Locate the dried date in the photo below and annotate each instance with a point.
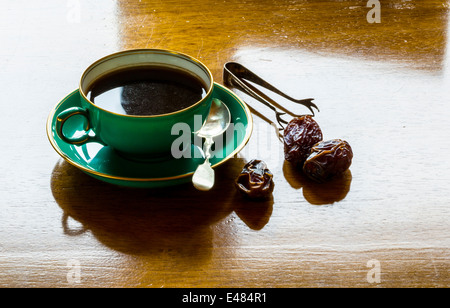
(327, 159)
(255, 180)
(299, 136)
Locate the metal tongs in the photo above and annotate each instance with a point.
(236, 75)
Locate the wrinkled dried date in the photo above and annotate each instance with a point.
(299, 136)
(255, 180)
(327, 159)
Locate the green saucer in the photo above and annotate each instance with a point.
(105, 164)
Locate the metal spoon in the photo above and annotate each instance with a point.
(218, 120)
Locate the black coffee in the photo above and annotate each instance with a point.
(146, 91)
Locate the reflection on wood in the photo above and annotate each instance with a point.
(411, 32)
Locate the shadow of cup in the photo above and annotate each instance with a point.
(138, 221)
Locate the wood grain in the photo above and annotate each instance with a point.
(382, 87)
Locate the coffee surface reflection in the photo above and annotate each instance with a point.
(146, 91)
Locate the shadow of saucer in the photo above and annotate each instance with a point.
(332, 191)
(136, 221)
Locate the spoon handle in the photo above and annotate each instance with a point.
(203, 178)
(207, 148)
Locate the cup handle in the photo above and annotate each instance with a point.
(64, 116)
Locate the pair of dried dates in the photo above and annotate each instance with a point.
(304, 147)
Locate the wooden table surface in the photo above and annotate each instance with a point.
(383, 87)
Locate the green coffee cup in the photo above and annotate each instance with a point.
(136, 136)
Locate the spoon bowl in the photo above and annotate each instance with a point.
(218, 120)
